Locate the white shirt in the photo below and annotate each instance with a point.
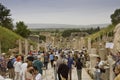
(101, 63)
(23, 69)
(17, 66)
(38, 77)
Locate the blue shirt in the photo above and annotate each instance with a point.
(51, 57)
(70, 62)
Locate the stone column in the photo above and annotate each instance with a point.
(102, 54)
(74, 43)
(77, 43)
(31, 47)
(111, 62)
(53, 42)
(89, 45)
(20, 46)
(26, 47)
(38, 46)
(93, 57)
(82, 43)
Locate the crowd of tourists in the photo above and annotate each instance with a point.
(116, 66)
(100, 69)
(31, 67)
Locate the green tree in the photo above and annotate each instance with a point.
(22, 30)
(66, 33)
(42, 37)
(115, 17)
(5, 19)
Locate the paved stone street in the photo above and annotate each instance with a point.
(50, 74)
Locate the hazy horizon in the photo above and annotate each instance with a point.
(72, 12)
(58, 26)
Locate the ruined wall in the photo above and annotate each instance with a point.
(116, 39)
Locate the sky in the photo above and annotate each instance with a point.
(75, 12)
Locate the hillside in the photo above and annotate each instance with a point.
(105, 31)
(8, 39)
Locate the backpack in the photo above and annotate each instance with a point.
(116, 64)
(10, 64)
(63, 70)
(102, 70)
(79, 64)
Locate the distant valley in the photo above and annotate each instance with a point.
(63, 26)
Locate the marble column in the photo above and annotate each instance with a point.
(20, 46)
(38, 46)
(89, 45)
(26, 47)
(31, 47)
(82, 43)
(53, 42)
(111, 63)
(93, 57)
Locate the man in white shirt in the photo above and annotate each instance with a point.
(23, 69)
(98, 67)
(17, 68)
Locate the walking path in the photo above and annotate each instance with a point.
(85, 75)
(49, 74)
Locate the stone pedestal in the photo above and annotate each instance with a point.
(26, 47)
(102, 54)
(111, 63)
(89, 45)
(82, 42)
(93, 51)
(93, 60)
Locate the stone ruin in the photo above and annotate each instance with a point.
(116, 39)
(108, 75)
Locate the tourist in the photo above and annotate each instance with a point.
(10, 67)
(63, 71)
(37, 63)
(42, 58)
(37, 75)
(3, 64)
(115, 57)
(55, 67)
(58, 62)
(46, 60)
(117, 72)
(117, 60)
(70, 63)
(51, 57)
(79, 65)
(29, 73)
(23, 69)
(17, 67)
(98, 67)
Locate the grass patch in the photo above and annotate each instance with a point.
(102, 32)
(9, 39)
